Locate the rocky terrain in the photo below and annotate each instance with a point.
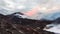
(11, 24)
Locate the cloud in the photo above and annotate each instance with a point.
(46, 7)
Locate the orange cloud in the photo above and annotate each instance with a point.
(32, 12)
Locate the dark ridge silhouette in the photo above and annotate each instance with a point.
(57, 20)
(10, 24)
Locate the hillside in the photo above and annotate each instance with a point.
(11, 24)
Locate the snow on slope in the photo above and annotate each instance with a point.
(48, 9)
